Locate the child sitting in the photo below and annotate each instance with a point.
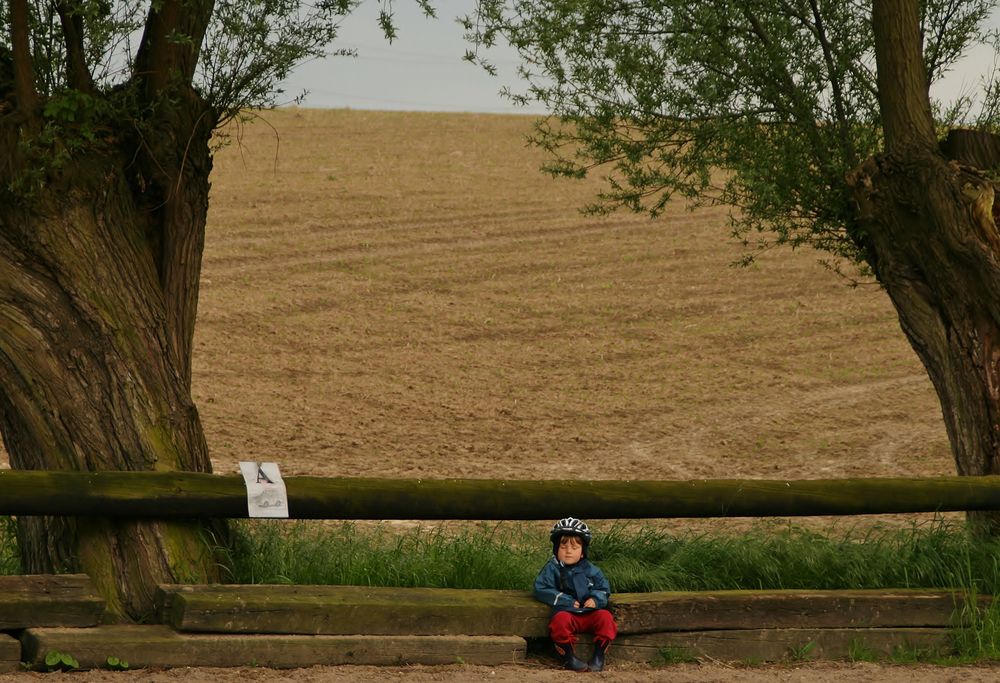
(578, 593)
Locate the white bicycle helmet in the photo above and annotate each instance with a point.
(570, 526)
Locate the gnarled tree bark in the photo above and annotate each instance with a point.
(91, 377)
(936, 250)
(100, 260)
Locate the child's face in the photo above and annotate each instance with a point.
(570, 550)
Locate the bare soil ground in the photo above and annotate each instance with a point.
(405, 295)
(680, 673)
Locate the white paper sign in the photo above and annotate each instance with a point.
(266, 495)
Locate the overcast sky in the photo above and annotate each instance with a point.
(422, 70)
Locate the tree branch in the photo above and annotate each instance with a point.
(836, 85)
(171, 43)
(902, 79)
(24, 72)
(800, 109)
(934, 45)
(177, 160)
(77, 72)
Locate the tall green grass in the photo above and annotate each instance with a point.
(635, 559)
(303, 553)
(769, 556)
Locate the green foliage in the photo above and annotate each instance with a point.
(111, 28)
(253, 45)
(859, 651)
(73, 107)
(116, 664)
(758, 105)
(667, 656)
(73, 124)
(802, 652)
(249, 47)
(60, 661)
(979, 638)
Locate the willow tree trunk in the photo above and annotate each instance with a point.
(932, 225)
(100, 257)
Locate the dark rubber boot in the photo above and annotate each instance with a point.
(600, 651)
(568, 657)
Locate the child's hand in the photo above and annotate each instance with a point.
(576, 604)
(591, 603)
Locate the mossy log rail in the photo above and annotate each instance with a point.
(186, 494)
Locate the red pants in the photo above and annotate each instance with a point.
(564, 626)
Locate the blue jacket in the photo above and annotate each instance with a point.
(559, 585)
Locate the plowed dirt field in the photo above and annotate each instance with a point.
(406, 295)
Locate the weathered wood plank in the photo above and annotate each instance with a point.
(696, 611)
(161, 647)
(48, 600)
(774, 645)
(348, 610)
(10, 653)
(345, 610)
(187, 494)
(680, 611)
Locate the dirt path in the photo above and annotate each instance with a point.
(680, 673)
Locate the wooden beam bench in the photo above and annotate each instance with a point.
(775, 645)
(162, 647)
(10, 653)
(781, 609)
(345, 610)
(43, 600)
(297, 626)
(48, 600)
(725, 625)
(349, 610)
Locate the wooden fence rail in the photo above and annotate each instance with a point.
(165, 495)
